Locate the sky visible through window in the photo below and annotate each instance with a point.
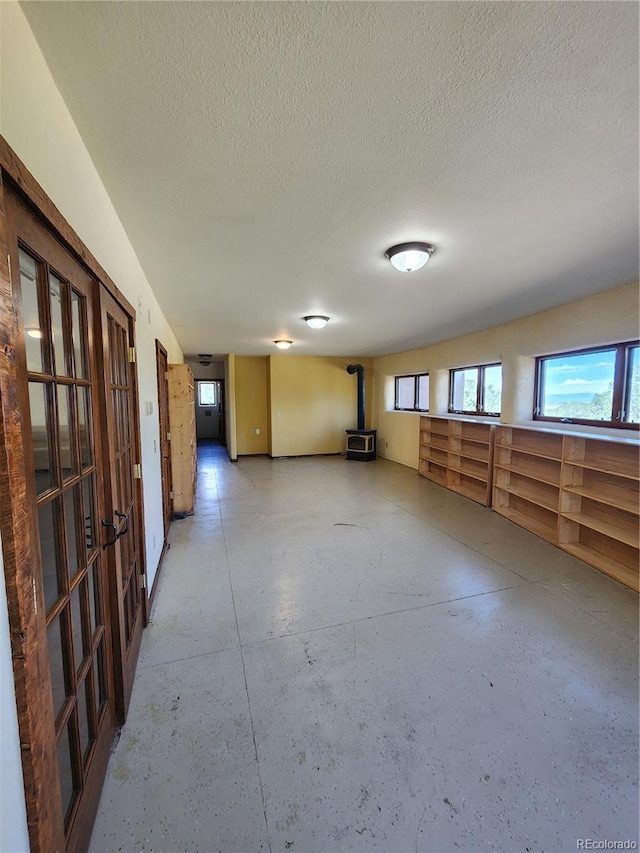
(581, 386)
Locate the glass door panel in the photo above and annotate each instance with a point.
(56, 299)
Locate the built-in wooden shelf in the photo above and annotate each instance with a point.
(529, 515)
(458, 453)
(615, 496)
(578, 491)
(613, 531)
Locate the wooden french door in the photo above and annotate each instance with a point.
(54, 299)
(123, 518)
(165, 446)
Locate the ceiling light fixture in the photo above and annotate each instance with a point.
(34, 333)
(316, 321)
(283, 344)
(408, 257)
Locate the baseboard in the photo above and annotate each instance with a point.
(154, 585)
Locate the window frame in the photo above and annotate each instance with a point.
(416, 377)
(202, 382)
(621, 386)
(480, 410)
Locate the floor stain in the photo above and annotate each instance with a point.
(158, 714)
(450, 804)
(302, 757)
(121, 772)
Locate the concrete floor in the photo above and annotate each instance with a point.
(344, 657)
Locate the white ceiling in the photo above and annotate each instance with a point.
(263, 155)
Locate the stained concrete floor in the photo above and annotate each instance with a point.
(347, 657)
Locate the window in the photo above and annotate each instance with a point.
(412, 393)
(476, 390)
(592, 386)
(207, 394)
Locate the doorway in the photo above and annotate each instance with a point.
(210, 410)
(162, 369)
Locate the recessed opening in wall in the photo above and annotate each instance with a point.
(412, 393)
(599, 386)
(476, 390)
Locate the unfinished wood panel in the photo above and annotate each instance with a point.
(458, 454)
(182, 423)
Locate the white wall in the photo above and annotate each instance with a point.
(608, 317)
(37, 125)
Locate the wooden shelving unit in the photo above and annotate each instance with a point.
(577, 491)
(600, 505)
(182, 425)
(458, 454)
(526, 482)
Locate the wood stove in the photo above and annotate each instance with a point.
(361, 442)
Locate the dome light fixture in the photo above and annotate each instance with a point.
(283, 344)
(34, 333)
(316, 321)
(408, 257)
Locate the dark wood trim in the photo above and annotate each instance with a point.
(25, 594)
(138, 484)
(27, 188)
(621, 383)
(480, 410)
(415, 377)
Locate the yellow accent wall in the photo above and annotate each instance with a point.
(608, 317)
(252, 405)
(312, 403)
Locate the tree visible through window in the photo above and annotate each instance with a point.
(476, 390)
(594, 386)
(207, 394)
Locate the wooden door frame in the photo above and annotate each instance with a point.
(26, 618)
(161, 351)
(121, 656)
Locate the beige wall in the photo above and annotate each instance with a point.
(605, 318)
(252, 405)
(313, 401)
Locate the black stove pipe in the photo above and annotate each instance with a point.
(359, 369)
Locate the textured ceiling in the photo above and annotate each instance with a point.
(263, 155)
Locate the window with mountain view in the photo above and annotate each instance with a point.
(595, 386)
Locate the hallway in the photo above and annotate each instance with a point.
(347, 657)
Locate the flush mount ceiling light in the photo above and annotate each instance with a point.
(408, 257)
(34, 333)
(316, 321)
(283, 344)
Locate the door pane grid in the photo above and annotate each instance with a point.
(61, 417)
(120, 394)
